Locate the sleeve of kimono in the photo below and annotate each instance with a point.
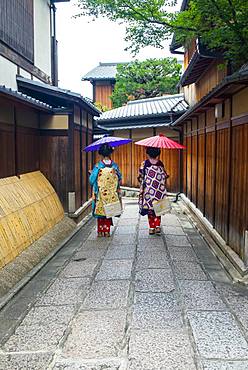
(118, 172)
(141, 172)
(93, 176)
(166, 174)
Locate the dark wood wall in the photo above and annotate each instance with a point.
(54, 159)
(56, 152)
(216, 173)
(102, 90)
(129, 158)
(18, 140)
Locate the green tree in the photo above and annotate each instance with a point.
(221, 24)
(147, 79)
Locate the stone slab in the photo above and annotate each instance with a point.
(96, 334)
(124, 239)
(167, 350)
(125, 230)
(155, 318)
(154, 280)
(63, 364)
(101, 243)
(237, 298)
(201, 295)
(91, 252)
(170, 220)
(152, 244)
(124, 251)
(28, 361)
(48, 316)
(35, 338)
(225, 365)
(115, 270)
(41, 329)
(189, 271)
(218, 336)
(107, 294)
(79, 268)
(65, 292)
(163, 301)
(177, 241)
(152, 259)
(173, 230)
(182, 254)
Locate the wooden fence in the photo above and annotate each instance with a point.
(216, 173)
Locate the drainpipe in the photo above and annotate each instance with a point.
(54, 55)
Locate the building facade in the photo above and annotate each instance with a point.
(103, 81)
(215, 131)
(42, 127)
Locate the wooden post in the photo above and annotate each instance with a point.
(87, 157)
(15, 145)
(81, 158)
(205, 163)
(131, 159)
(191, 162)
(214, 171)
(71, 166)
(229, 171)
(197, 160)
(186, 161)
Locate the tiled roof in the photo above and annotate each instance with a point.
(105, 71)
(62, 93)
(25, 98)
(152, 107)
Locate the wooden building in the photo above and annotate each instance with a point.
(215, 165)
(140, 119)
(103, 81)
(43, 171)
(42, 127)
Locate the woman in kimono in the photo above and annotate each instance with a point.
(152, 178)
(105, 180)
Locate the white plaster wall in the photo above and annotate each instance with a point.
(42, 38)
(25, 74)
(8, 71)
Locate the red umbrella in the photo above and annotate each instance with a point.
(160, 141)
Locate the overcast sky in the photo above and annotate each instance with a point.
(84, 43)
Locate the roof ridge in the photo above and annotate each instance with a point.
(163, 97)
(111, 63)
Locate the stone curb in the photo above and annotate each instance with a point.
(40, 265)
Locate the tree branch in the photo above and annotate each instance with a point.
(159, 22)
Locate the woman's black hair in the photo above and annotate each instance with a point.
(153, 152)
(105, 150)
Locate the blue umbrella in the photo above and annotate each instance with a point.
(111, 140)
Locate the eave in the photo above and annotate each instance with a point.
(228, 87)
(29, 101)
(138, 122)
(55, 96)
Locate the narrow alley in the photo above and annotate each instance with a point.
(131, 301)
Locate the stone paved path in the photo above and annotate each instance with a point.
(130, 302)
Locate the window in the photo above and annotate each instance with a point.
(16, 26)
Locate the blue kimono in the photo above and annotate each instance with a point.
(108, 176)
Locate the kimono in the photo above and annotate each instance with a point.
(152, 178)
(105, 180)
